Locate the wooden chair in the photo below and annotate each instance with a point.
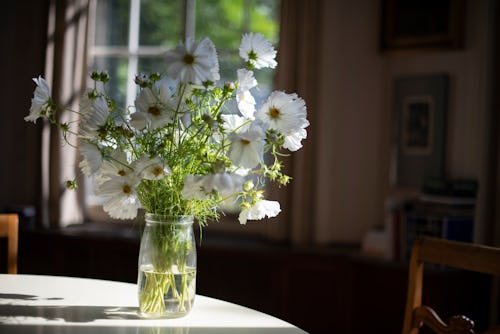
(9, 226)
(461, 255)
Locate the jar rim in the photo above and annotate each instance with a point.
(169, 219)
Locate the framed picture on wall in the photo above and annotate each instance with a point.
(417, 124)
(420, 109)
(422, 24)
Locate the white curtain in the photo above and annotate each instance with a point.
(66, 74)
(298, 72)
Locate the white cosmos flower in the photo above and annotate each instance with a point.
(258, 51)
(234, 123)
(285, 113)
(200, 186)
(260, 210)
(246, 104)
(121, 200)
(194, 62)
(246, 79)
(115, 165)
(92, 158)
(193, 187)
(94, 113)
(293, 140)
(139, 120)
(245, 100)
(154, 107)
(224, 183)
(151, 169)
(247, 148)
(40, 102)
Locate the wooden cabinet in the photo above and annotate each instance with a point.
(318, 290)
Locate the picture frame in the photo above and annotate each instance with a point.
(422, 25)
(420, 115)
(417, 125)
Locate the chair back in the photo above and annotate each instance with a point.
(467, 256)
(9, 227)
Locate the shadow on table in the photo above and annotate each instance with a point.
(78, 319)
(67, 313)
(24, 297)
(60, 312)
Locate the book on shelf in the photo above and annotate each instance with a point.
(439, 216)
(442, 208)
(458, 228)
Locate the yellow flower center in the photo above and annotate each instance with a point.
(245, 141)
(127, 189)
(188, 59)
(154, 110)
(157, 171)
(274, 112)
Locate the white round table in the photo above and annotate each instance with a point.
(53, 304)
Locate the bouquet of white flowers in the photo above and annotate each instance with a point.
(182, 149)
(179, 150)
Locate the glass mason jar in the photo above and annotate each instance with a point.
(167, 267)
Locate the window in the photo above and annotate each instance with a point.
(128, 37)
(131, 36)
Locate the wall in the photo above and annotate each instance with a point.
(352, 90)
(469, 110)
(357, 89)
(23, 34)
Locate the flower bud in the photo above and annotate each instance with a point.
(248, 185)
(229, 87)
(277, 166)
(284, 180)
(64, 127)
(95, 76)
(141, 80)
(245, 205)
(111, 104)
(104, 77)
(92, 95)
(154, 76)
(71, 185)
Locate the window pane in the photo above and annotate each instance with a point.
(264, 18)
(117, 69)
(151, 64)
(225, 21)
(112, 22)
(221, 20)
(161, 22)
(229, 62)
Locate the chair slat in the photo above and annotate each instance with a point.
(9, 227)
(473, 257)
